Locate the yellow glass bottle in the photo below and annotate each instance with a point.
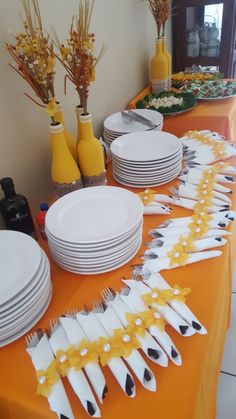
(65, 173)
(91, 156)
(159, 69)
(169, 58)
(59, 117)
(78, 110)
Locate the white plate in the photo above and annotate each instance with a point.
(94, 254)
(146, 173)
(27, 295)
(20, 257)
(115, 122)
(142, 179)
(26, 327)
(144, 185)
(94, 215)
(103, 270)
(96, 261)
(146, 146)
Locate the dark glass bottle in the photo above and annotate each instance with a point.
(15, 209)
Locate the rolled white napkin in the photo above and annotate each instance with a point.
(169, 241)
(164, 263)
(229, 170)
(58, 341)
(75, 334)
(216, 194)
(148, 344)
(110, 322)
(155, 280)
(94, 331)
(42, 357)
(218, 219)
(195, 176)
(156, 208)
(174, 320)
(132, 299)
(182, 202)
(188, 192)
(199, 245)
(183, 230)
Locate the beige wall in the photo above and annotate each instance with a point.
(128, 28)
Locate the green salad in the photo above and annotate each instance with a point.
(167, 103)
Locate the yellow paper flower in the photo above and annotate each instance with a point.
(198, 230)
(220, 166)
(81, 355)
(179, 293)
(201, 209)
(204, 191)
(124, 342)
(185, 244)
(63, 364)
(177, 256)
(52, 107)
(47, 378)
(154, 297)
(147, 196)
(201, 219)
(136, 325)
(106, 350)
(153, 318)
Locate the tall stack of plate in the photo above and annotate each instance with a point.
(146, 158)
(95, 230)
(25, 284)
(114, 125)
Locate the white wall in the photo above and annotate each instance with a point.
(128, 28)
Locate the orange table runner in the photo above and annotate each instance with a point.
(218, 116)
(186, 392)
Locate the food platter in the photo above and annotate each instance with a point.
(211, 90)
(168, 103)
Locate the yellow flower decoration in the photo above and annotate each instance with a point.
(147, 196)
(46, 379)
(52, 107)
(154, 297)
(179, 293)
(201, 219)
(106, 350)
(153, 318)
(201, 209)
(124, 342)
(177, 256)
(63, 364)
(220, 166)
(219, 150)
(136, 325)
(185, 244)
(65, 51)
(198, 230)
(81, 355)
(204, 191)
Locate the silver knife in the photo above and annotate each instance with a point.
(132, 116)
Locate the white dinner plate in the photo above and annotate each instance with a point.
(144, 185)
(94, 215)
(146, 146)
(146, 174)
(115, 122)
(20, 257)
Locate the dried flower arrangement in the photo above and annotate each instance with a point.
(77, 54)
(160, 10)
(33, 54)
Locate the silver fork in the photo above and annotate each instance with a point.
(98, 306)
(108, 295)
(32, 340)
(54, 324)
(174, 191)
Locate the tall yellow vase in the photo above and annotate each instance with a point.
(169, 58)
(159, 69)
(59, 117)
(91, 156)
(78, 110)
(65, 173)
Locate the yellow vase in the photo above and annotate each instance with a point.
(59, 117)
(169, 58)
(64, 170)
(159, 69)
(91, 156)
(78, 110)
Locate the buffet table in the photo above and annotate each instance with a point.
(220, 117)
(186, 392)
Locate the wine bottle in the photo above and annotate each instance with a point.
(15, 209)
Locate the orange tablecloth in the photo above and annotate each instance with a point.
(186, 392)
(219, 116)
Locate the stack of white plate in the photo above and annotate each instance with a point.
(26, 289)
(146, 158)
(95, 230)
(114, 125)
